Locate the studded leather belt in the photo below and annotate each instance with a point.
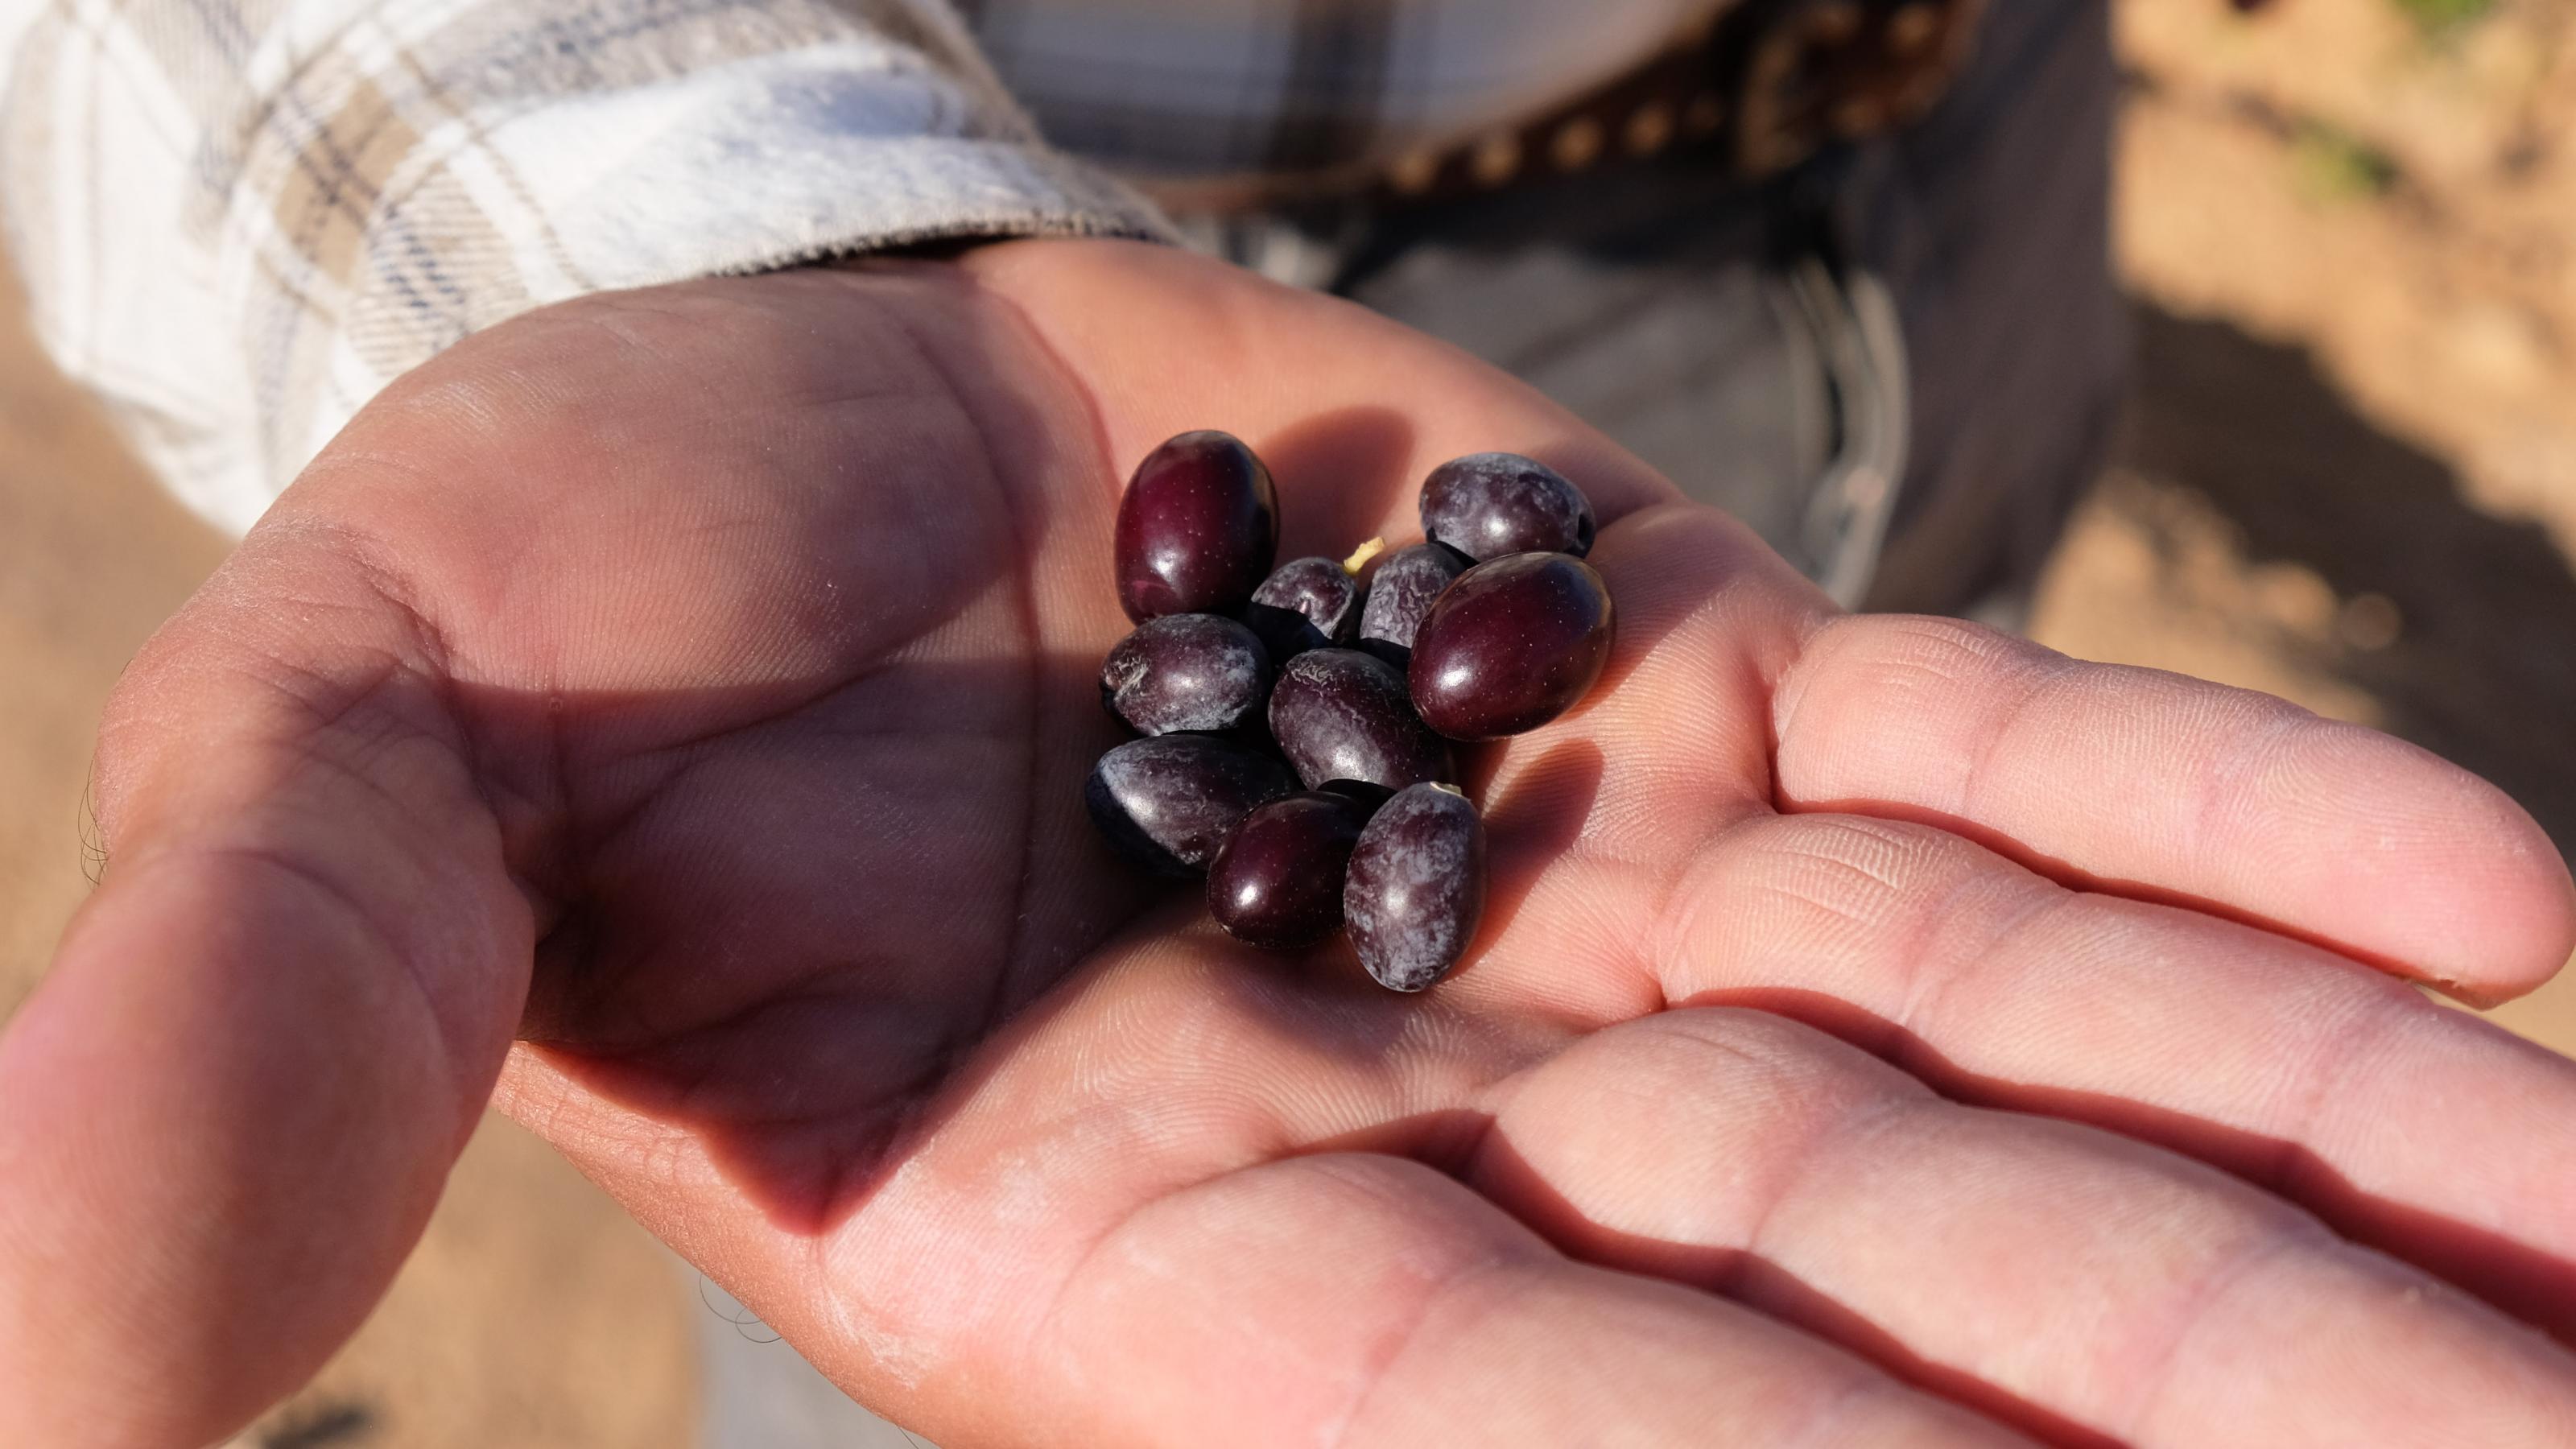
(1756, 90)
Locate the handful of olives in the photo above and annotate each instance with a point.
(1246, 681)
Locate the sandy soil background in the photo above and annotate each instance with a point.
(2348, 477)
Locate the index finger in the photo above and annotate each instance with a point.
(2151, 784)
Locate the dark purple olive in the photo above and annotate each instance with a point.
(1401, 593)
(1278, 881)
(1339, 714)
(1416, 887)
(1488, 505)
(1197, 530)
(1168, 803)
(1186, 672)
(1511, 645)
(1306, 603)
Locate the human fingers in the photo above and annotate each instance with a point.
(2144, 782)
(1641, 829)
(2093, 1288)
(2418, 1129)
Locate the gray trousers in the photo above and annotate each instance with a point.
(1900, 364)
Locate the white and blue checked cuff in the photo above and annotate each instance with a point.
(240, 219)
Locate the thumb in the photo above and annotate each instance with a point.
(227, 1112)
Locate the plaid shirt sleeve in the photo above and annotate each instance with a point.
(239, 219)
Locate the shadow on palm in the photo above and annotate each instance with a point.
(847, 1010)
(822, 840)
(807, 929)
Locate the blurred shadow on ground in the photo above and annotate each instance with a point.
(2483, 669)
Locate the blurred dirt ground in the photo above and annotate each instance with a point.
(2348, 477)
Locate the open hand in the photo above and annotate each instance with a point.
(1883, 1032)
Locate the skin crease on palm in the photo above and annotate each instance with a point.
(1883, 1032)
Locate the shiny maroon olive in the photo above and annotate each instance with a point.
(1400, 593)
(1306, 603)
(1339, 714)
(1415, 889)
(1490, 505)
(1511, 645)
(1169, 802)
(1278, 881)
(1197, 530)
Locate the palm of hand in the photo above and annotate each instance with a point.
(739, 676)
